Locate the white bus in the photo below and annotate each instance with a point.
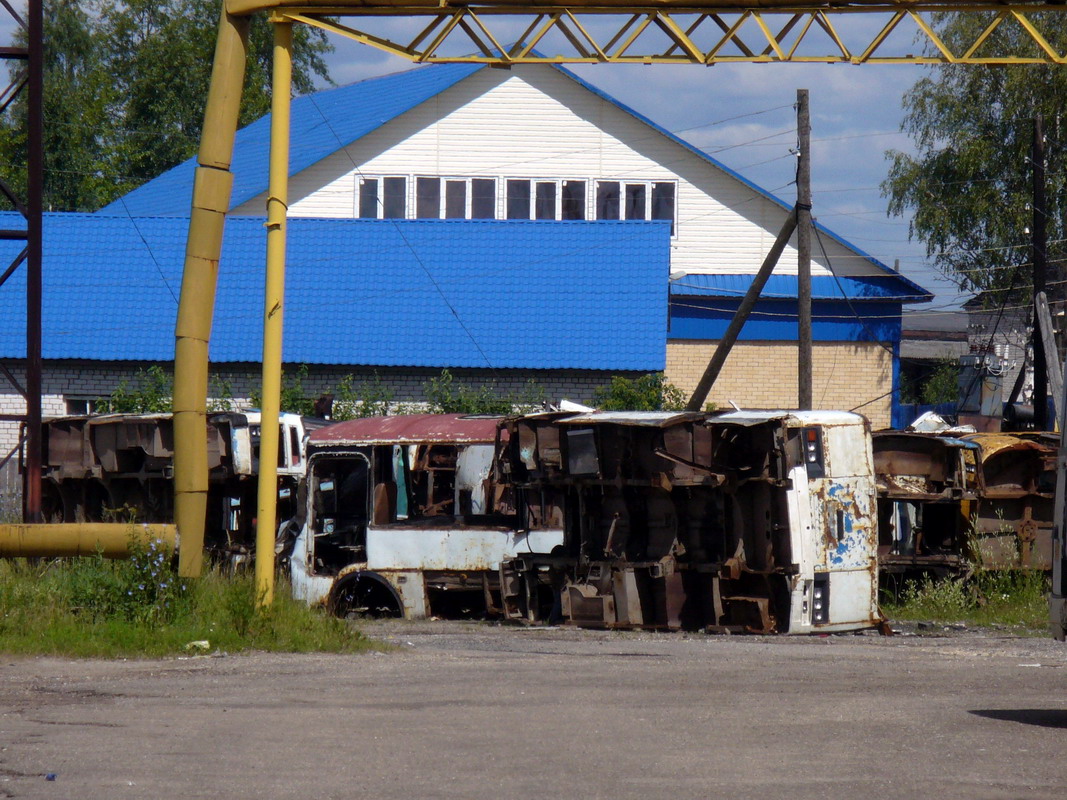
(402, 517)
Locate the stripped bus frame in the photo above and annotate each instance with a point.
(949, 504)
(745, 521)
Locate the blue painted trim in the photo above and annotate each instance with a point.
(776, 321)
(862, 288)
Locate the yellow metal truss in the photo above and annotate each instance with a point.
(692, 32)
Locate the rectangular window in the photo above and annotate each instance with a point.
(573, 200)
(545, 207)
(663, 202)
(394, 204)
(428, 198)
(518, 200)
(607, 200)
(368, 198)
(455, 199)
(483, 198)
(635, 200)
(79, 406)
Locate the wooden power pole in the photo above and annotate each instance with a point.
(804, 347)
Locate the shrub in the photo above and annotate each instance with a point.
(447, 396)
(153, 394)
(652, 392)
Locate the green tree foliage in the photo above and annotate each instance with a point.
(152, 394)
(125, 87)
(366, 399)
(968, 182)
(446, 395)
(652, 392)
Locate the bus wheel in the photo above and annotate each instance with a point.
(363, 595)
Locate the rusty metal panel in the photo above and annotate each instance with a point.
(67, 446)
(408, 429)
(925, 466)
(1013, 526)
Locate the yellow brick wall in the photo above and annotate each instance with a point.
(845, 375)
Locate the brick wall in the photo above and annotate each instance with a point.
(764, 375)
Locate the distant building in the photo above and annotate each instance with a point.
(930, 339)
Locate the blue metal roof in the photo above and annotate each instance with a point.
(893, 287)
(322, 123)
(421, 293)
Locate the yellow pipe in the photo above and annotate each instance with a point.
(111, 540)
(211, 199)
(274, 300)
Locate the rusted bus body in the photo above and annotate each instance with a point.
(743, 521)
(947, 504)
(113, 465)
(1013, 525)
(403, 517)
(928, 488)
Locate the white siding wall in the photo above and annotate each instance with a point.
(534, 122)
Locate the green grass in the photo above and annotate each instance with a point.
(92, 607)
(1011, 598)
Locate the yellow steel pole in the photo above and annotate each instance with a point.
(211, 199)
(274, 301)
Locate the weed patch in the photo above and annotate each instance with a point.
(93, 607)
(1013, 598)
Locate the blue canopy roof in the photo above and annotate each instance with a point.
(421, 293)
(882, 288)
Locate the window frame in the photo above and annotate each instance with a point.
(650, 195)
(379, 195)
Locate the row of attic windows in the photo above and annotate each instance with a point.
(477, 198)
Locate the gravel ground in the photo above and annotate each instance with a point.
(477, 710)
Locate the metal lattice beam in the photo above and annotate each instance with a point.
(693, 32)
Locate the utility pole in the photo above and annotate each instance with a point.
(1037, 233)
(804, 347)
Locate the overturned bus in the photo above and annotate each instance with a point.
(743, 521)
(947, 505)
(401, 517)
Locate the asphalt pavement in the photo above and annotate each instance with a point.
(473, 710)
